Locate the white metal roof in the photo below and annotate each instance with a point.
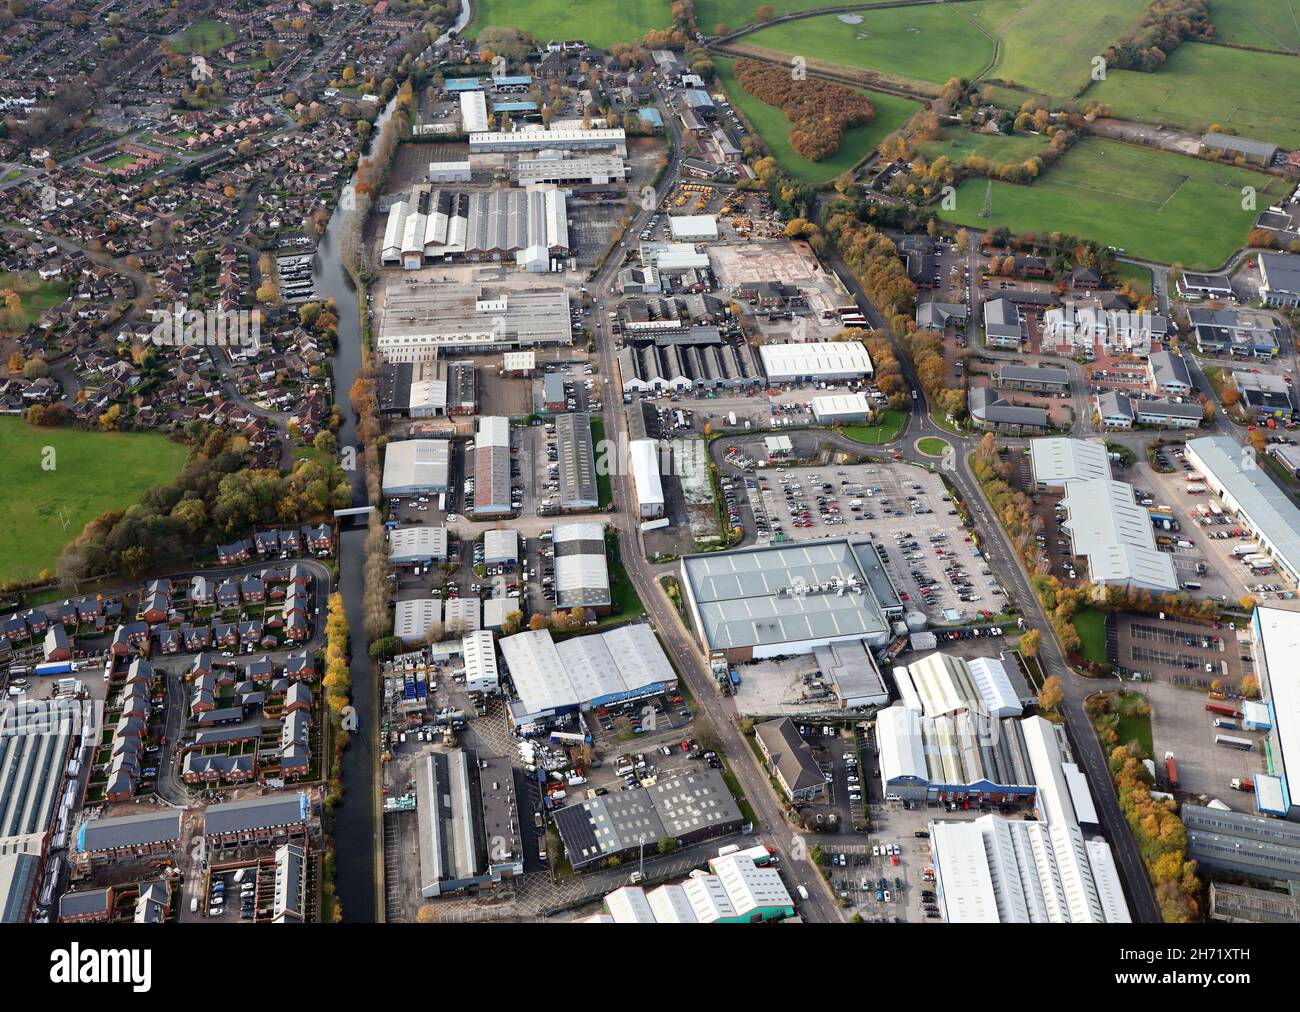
(902, 747)
(693, 225)
(833, 359)
(473, 111)
(1057, 459)
(412, 544)
(1279, 649)
(1115, 534)
(838, 405)
(645, 472)
(416, 464)
(1054, 803)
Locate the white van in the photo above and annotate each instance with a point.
(239, 876)
(194, 904)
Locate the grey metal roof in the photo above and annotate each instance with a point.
(1244, 145)
(578, 488)
(1034, 373)
(774, 594)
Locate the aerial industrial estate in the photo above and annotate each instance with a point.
(804, 465)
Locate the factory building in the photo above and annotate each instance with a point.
(821, 361)
(735, 890)
(518, 141)
(492, 466)
(581, 567)
(598, 170)
(416, 466)
(417, 546)
(644, 455)
(578, 488)
(421, 322)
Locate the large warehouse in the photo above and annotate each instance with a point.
(598, 170)
(578, 490)
(734, 891)
(824, 361)
(1247, 491)
(997, 870)
(416, 466)
(492, 466)
(1105, 524)
(955, 757)
(554, 679)
(833, 408)
(644, 454)
(526, 227)
(422, 321)
(581, 568)
(781, 599)
(517, 141)
(1277, 633)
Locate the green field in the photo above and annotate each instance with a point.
(959, 144)
(921, 43)
(933, 446)
(36, 295)
(1154, 204)
(1136, 275)
(1090, 624)
(93, 472)
(1048, 46)
(772, 126)
(1200, 84)
(1262, 24)
(738, 13)
(600, 22)
(202, 37)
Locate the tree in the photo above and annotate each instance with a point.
(35, 368)
(667, 845)
(537, 621)
(1030, 642)
(1051, 694)
(764, 13)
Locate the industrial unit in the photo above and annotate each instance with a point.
(736, 890)
(583, 672)
(578, 488)
(420, 322)
(492, 466)
(646, 480)
(823, 361)
(581, 567)
(416, 466)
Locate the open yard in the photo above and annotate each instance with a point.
(958, 144)
(1254, 94)
(600, 22)
(1262, 24)
(35, 297)
(1048, 47)
(922, 43)
(202, 37)
(93, 472)
(772, 126)
(1154, 204)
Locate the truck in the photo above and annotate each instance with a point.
(53, 668)
(1171, 770)
(1228, 710)
(1196, 488)
(1228, 741)
(1215, 508)
(735, 678)
(1244, 784)
(1194, 476)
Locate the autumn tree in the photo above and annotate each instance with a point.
(1051, 694)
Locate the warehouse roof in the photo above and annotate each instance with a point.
(1269, 508)
(1279, 647)
(549, 676)
(416, 464)
(1106, 525)
(581, 568)
(1057, 459)
(786, 593)
(416, 544)
(645, 472)
(578, 488)
(817, 358)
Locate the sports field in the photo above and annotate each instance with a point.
(1048, 46)
(959, 144)
(1156, 205)
(93, 472)
(1253, 93)
(922, 43)
(600, 22)
(772, 126)
(1261, 24)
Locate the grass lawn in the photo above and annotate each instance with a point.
(604, 492)
(600, 22)
(1091, 626)
(37, 296)
(959, 144)
(885, 430)
(626, 601)
(202, 37)
(1048, 46)
(94, 472)
(1200, 84)
(1136, 275)
(933, 445)
(922, 43)
(772, 126)
(738, 13)
(1261, 24)
(1154, 204)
